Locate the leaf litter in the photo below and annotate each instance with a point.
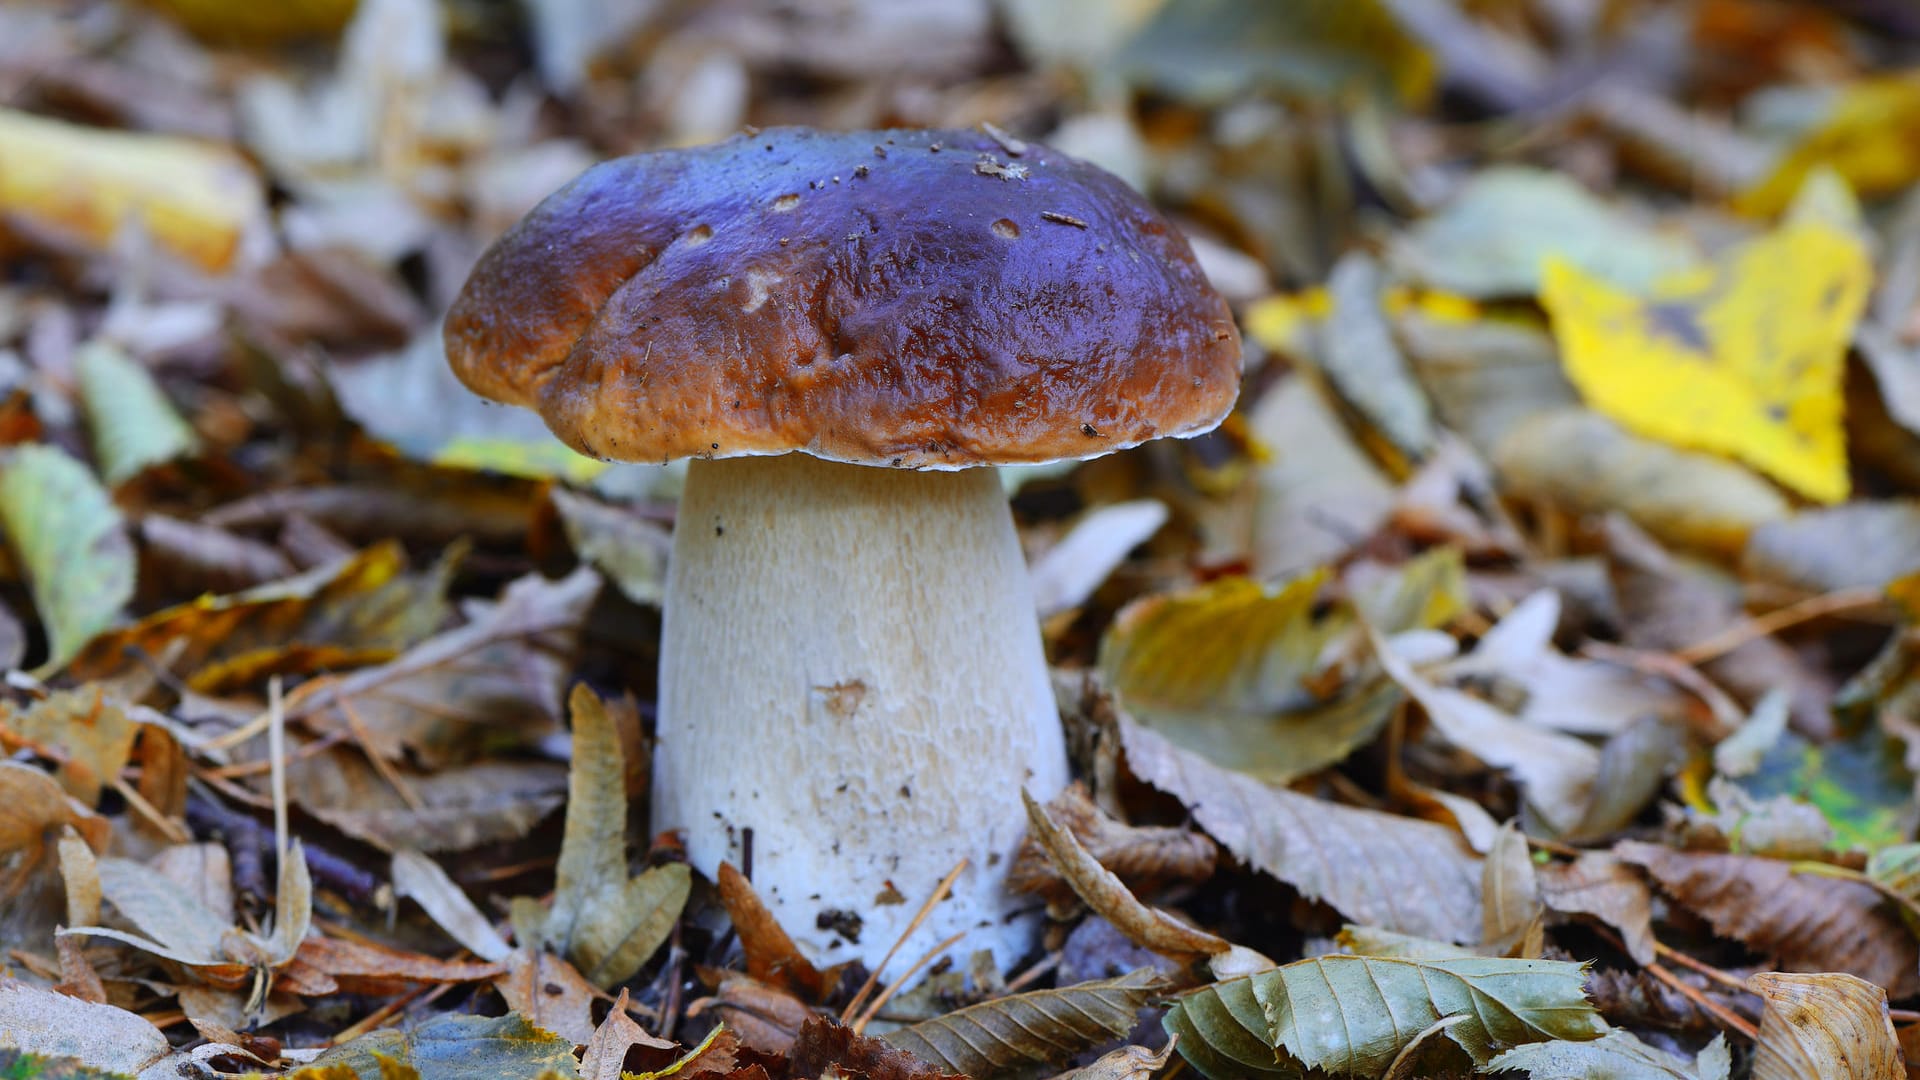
(1522, 679)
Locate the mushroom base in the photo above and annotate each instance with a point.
(851, 673)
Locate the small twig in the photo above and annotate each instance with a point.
(168, 827)
(277, 754)
(873, 979)
(380, 764)
(1732, 982)
(1040, 967)
(1759, 626)
(1718, 1011)
(379, 1017)
(859, 1026)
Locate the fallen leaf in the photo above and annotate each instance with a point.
(1028, 1029)
(765, 1018)
(1617, 1055)
(86, 731)
(1126, 1063)
(1600, 885)
(1144, 857)
(607, 1049)
(454, 1047)
(71, 544)
(1211, 50)
(1831, 1026)
(360, 967)
(1864, 135)
(1494, 237)
(134, 426)
(1353, 1015)
(771, 955)
(1066, 574)
(1864, 543)
(1510, 900)
(193, 558)
(630, 550)
(498, 677)
(606, 922)
(1808, 923)
(1741, 357)
(1400, 873)
(550, 993)
(199, 200)
(1583, 462)
(1364, 364)
(455, 808)
(419, 878)
(102, 1037)
(1319, 494)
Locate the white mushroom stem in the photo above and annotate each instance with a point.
(851, 668)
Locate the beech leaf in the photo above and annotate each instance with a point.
(456, 1047)
(1617, 1055)
(1034, 1028)
(1353, 1015)
(134, 426)
(1833, 1026)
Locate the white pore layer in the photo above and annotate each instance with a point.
(851, 668)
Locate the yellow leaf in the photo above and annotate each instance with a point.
(1870, 136)
(242, 22)
(1743, 356)
(1283, 321)
(196, 199)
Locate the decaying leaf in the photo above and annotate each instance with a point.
(1353, 1015)
(454, 808)
(1364, 364)
(1742, 357)
(1862, 544)
(630, 550)
(550, 993)
(607, 923)
(1142, 856)
(1067, 573)
(1510, 900)
(85, 730)
(102, 1037)
(1808, 923)
(607, 1048)
(1034, 1028)
(1600, 885)
(771, 955)
(1126, 1063)
(1400, 873)
(421, 879)
(1831, 1026)
(451, 1046)
(71, 543)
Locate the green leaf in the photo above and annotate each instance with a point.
(71, 542)
(134, 426)
(1034, 1028)
(456, 1047)
(605, 922)
(1351, 1015)
(1617, 1055)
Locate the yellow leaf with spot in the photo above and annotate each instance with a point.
(1743, 356)
(1870, 135)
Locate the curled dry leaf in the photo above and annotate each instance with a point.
(1510, 897)
(85, 730)
(607, 1047)
(1142, 856)
(1354, 1015)
(826, 1048)
(70, 542)
(420, 878)
(33, 812)
(1035, 1028)
(1067, 573)
(1617, 1055)
(1833, 1026)
(196, 199)
(1103, 891)
(1126, 1063)
(771, 955)
(765, 1018)
(1400, 873)
(1808, 923)
(550, 993)
(361, 967)
(192, 557)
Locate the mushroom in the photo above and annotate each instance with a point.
(843, 330)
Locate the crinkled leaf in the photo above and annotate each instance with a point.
(71, 544)
(1034, 1028)
(605, 922)
(1400, 873)
(133, 425)
(102, 1037)
(1832, 1026)
(1352, 1015)
(1617, 1055)
(85, 730)
(457, 1047)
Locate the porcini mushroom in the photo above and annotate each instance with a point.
(841, 330)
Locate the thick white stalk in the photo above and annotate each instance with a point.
(851, 668)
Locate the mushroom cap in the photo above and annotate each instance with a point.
(920, 299)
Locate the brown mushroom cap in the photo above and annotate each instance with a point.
(922, 299)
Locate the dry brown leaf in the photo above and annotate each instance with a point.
(1126, 1063)
(194, 558)
(771, 955)
(110, 1039)
(1038, 1027)
(1101, 890)
(1808, 923)
(765, 1018)
(33, 810)
(1399, 873)
(420, 878)
(1831, 1026)
(1510, 897)
(547, 990)
(362, 967)
(823, 1044)
(1600, 885)
(85, 730)
(455, 808)
(607, 1048)
(1145, 857)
